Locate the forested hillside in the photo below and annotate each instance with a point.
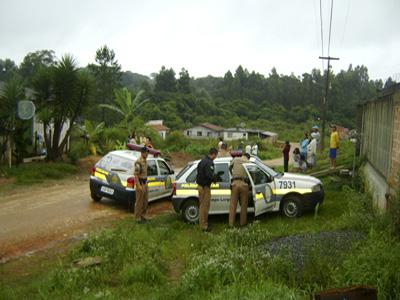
(241, 96)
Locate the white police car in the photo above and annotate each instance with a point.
(289, 193)
(112, 177)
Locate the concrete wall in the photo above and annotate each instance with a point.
(380, 145)
(205, 133)
(376, 185)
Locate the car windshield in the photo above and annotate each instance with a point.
(266, 168)
(112, 162)
(184, 170)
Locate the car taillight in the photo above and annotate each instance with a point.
(130, 182)
(93, 171)
(174, 188)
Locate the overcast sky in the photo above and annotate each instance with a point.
(208, 37)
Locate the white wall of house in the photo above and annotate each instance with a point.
(38, 127)
(234, 135)
(200, 132)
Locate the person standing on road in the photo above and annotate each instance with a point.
(220, 143)
(303, 147)
(240, 189)
(315, 134)
(254, 149)
(248, 149)
(285, 151)
(312, 152)
(223, 152)
(142, 193)
(334, 146)
(205, 176)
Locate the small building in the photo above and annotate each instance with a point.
(204, 131)
(379, 124)
(158, 126)
(230, 134)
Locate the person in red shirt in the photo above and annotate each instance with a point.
(285, 151)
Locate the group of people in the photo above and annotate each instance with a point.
(143, 140)
(306, 155)
(239, 188)
(224, 151)
(205, 177)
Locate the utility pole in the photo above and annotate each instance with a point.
(325, 102)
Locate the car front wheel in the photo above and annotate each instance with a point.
(191, 211)
(95, 197)
(292, 207)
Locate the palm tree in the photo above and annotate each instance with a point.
(13, 91)
(125, 106)
(61, 91)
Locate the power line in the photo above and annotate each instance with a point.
(322, 32)
(345, 23)
(330, 29)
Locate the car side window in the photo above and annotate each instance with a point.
(152, 168)
(258, 175)
(164, 170)
(192, 176)
(222, 172)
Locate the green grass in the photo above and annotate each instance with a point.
(168, 259)
(26, 174)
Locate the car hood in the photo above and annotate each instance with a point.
(301, 177)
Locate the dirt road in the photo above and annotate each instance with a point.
(36, 218)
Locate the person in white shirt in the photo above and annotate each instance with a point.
(312, 152)
(254, 150)
(315, 134)
(220, 143)
(248, 149)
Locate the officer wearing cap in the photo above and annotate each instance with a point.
(205, 176)
(142, 193)
(240, 189)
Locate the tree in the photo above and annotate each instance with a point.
(61, 92)
(165, 80)
(92, 134)
(184, 81)
(107, 72)
(12, 127)
(7, 69)
(125, 106)
(33, 61)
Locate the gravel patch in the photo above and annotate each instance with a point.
(330, 244)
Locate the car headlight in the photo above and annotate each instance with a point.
(316, 188)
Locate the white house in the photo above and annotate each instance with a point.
(230, 134)
(203, 131)
(158, 126)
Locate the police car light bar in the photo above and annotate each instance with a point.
(237, 153)
(135, 147)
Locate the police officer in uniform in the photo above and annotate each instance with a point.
(240, 189)
(205, 176)
(142, 193)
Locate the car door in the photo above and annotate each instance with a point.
(221, 190)
(154, 183)
(262, 186)
(167, 177)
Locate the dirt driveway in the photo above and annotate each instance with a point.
(36, 218)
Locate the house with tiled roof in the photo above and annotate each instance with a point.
(158, 126)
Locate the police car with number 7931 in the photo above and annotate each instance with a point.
(270, 191)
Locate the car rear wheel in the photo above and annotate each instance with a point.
(292, 207)
(95, 197)
(191, 211)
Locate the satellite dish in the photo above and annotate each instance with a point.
(26, 109)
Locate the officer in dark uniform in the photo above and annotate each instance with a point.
(205, 176)
(142, 193)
